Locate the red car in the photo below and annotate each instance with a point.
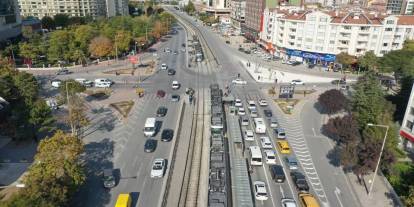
(160, 94)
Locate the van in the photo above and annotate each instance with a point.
(103, 80)
(149, 127)
(277, 173)
(283, 147)
(292, 162)
(279, 133)
(124, 200)
(273, 123)
(307, 200)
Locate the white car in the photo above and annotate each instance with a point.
(248, 135)
(263, 102)
(287, 202)
(253, 113)
(266, 143)
(270, 156)
(164, 66)
(244, 121)
(158, 168)
(238, 103)
(239, 81)
(102, 85)
(84, 82)
(175, 85)
(260, 192)
(297, 82)
(56, 83)
(103, 80)
(251, 105)
(241, 111)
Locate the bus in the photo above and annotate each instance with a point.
(149, 127)
(255, 155)
(259, 125)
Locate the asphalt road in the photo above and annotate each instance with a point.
(329, 178)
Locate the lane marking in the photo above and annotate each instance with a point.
(337, 193)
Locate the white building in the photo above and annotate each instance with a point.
(10, 20)
(407, 127)
(317, 36)
(80, 8)
(238, 13)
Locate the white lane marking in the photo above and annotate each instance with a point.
(313, 130)
(281, 191)
(337, 193)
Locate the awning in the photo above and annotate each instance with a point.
(407, 135)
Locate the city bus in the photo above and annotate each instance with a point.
(255, 155)
(259, 125)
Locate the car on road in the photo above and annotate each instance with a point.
(56, 83)
(160, 94)
(171, 72)
(251, 104)
(175, 52)
(239, 81)
(270, 156)
(241, 111)
(175, 85)
(167, 135)
(279, 133)
(248, 135)
(267, 113)
(102, 85)
(273, 123)
(300, 181)
(84, 82)
(124, 200)
(104, 80)
(283, 147)
(297, 82)
(277, 173)
(63, 72)
(262, 102)
(158, 168)
(288, 202)
(253, 113)
(150, 145)
(164, 66)
(337, 82)
(167, 50)
(108, 178)
(162, 111)
(244, 121)
(238, 103)
(307, 200)
(292, 162)
(266, 143)
(260, 192)
(175, 98)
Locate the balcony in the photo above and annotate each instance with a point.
(361, 45)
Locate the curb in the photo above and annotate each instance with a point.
(166, 185)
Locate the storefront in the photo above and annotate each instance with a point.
(310, 57)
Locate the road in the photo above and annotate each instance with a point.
(326, 178)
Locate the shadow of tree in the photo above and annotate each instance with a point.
(97, 156)
(333, 157)
(104, 122)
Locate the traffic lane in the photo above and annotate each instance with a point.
(133, 162)
(338, 189)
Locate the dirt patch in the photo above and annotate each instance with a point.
(286, 105)
(306, 92)
(6, 193)
(123, 107)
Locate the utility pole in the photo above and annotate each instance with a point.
(69, 108)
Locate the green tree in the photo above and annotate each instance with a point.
(345, 59)
(27, 86)
(189, 8)
(48, 23)
(27, 32)
(122, 40)
(61, 20)
(41, 117)
(83, 35)
(28, 50)
(409, 199)
(74, 87)
(409, 45)
(369, 61)
(77, 118)
(60, 45)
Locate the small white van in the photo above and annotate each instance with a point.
(149, 127)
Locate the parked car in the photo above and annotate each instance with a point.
(340, 81)
(108, 178)
(162, 111)
(56, 83)
(300, 181)
(260, 192)
(171, 72)
(263, 102)
(175, 98)
(297, 82)
(84, 82)
(102, 85)
(175, 85)
(63, 71)
(51, 103)
(239, 81)
(150, 145)
(167, 135)
(160, 94)
(158, 168)
(267, 113)
(104, 80)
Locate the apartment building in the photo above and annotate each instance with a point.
(407, 127)
(408, 7)
(317, 36)
(80, 8)
(253, 20)
(10, 20)
(395, 6)
(238, 13)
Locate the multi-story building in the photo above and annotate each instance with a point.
(10, 20)
(395, 6)
(252, 25)
(238, 12)
(220, 8)
(407, 127)
(80, 8)
(408, 7)
(317, 36)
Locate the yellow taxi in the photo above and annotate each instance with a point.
(307, 200)
(283, 147)
(124, 200)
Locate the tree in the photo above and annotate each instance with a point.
(41, 118)
(77, 118)
(149, 11)
(74, 87)
(408, 45)
(61, 20)
(409, 199)
(48, 23)
(157, 30)
(27, 32)
(333, 101)
(344, 130)
(83, 35)
(189, 8)
(122, 40)
(345, 59)
(27, 50)
(100, 46)
(369, 61)
(60, 45)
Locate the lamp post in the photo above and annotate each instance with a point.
(69, 107)
(380, 155)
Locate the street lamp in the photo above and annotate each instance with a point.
(69, 107)
(380, 155)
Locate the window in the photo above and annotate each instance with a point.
(409, 125)
(385, 44)
(298, 45)
(323, 19)
(320, 41)
(332, 42)
(321, 34)
(308, 40)
(321, 27)
(347, 27)
(390, 21)
(412, 111)
(374, 36)
(312, 18)
(388, 29)
(319, 48)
